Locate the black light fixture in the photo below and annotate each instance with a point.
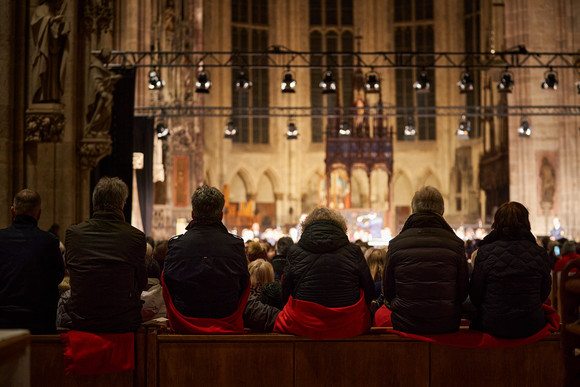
(578, 86)
(292, 132)
(422, 84)
(464, 128)
(155, 81)
(328, 85)
(162, 131)
(288, 82)
(410, 130)
(203, 83)
(243, 82)
(525, 130)
(550, 80)
(372, 83)
(506, 83)
(465, 83)
(344, 130)
(230, 130)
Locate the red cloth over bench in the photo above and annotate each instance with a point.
(309, 319)
(233, 324)
(473, 338)
(88, 353)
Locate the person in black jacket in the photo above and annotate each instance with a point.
(106, 260)
(31, 267)
(279, 260)
(205, 269)
(324, 267)
(511, 277)
(426, 278)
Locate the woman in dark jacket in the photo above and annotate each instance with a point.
(511, 277)
(325, 273)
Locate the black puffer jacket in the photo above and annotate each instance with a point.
(325, 268)
(510, 280)
(426, 278)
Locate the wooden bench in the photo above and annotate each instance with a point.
(376, 359)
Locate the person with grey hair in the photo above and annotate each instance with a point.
(327, 286)
(567, 253)
(426, 278)
(31, 268)
(205, 278)
(106, 260)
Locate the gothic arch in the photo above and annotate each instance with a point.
(247, 181)
(431, 179)
(403, 190)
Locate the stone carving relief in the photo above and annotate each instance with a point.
(44, 125)
(97, 17)
(548, 181)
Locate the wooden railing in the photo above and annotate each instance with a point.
(376, 359)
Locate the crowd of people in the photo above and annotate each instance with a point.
(112, 278)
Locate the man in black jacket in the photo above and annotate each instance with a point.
(31, 268)
(106, 260)
(426, 278)
(206, 271)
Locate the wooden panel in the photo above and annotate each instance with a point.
(47, 368)
(223, 363)
(539, 364)
(368, 363)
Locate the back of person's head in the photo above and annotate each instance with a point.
(283, 245)
(207, 203)
(428, 199)
(153, 269)
(160, 251)
(255, 251)
(323, 213)
(261, 273)
(110, 194)
(568, 247)
(27, 202)
(512, 215)
(271, 294)
(376, 260)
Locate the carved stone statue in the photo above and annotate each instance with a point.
(102, 85)
(548, 178)
(49, 30)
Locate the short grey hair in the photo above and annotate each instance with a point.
(207, 202)
(26, 202)
(326, 214)
(110, 194)
(428, 199)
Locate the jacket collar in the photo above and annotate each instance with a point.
(508, 234)
(426, 220)
(204, 222)
(25, 221)
(109, 215)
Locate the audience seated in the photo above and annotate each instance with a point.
(568, 253)
(261, 273)
(377, 260)
(152, 295)
(511, 277)
(426, 278)
(279, 260)
(327, 285)
(159, 253)
(31, 267)
(256, 251)
(106, 260)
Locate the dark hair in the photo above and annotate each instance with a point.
(207, 202)
(428, 199)
(283, 245)
(26, 202)
(153, 269)
(110, 194)
(160, 251)
(511, 215)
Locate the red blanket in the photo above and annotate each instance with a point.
(233, 324)
(304, 318)
(87, 353)
(472, 338)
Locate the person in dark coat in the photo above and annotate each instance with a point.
(205, 269)
(279, 260)
(106, 260)
(511, 277)
(31, 267)
(426, 278)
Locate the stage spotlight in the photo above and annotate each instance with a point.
(550, 80)
(292, 132)
(155, 81)
(422, 85)
(328, 85)
(344, 130)
(243, 82)
(464, 128)
(162, 131)
(203, 83)
(525, 130)
(372, 83)
(465, 84)
(410, 130)
(230, 130)
(288, 82)
(506, 83)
